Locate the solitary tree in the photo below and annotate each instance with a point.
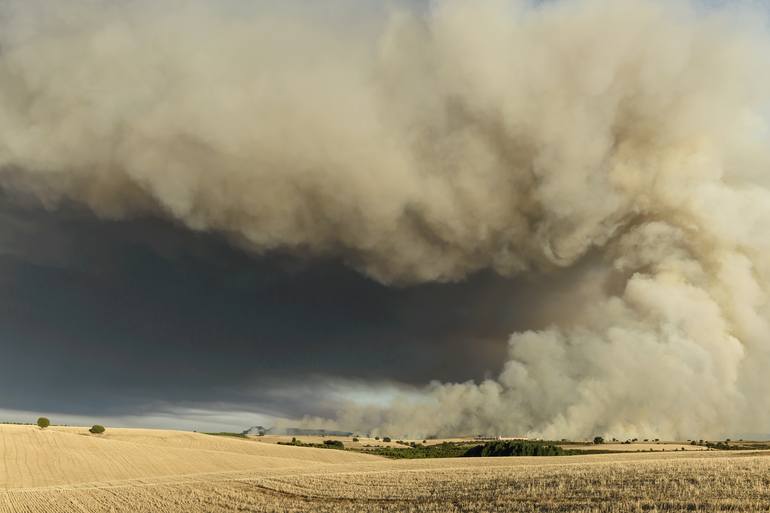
(598, 440)
(96, 429)
(43, 422)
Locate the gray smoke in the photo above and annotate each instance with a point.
(425, 146)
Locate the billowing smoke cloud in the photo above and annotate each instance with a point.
(425, 146)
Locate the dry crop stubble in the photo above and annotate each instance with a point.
(63, 470)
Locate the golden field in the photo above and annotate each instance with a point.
(363, 443)
(141, 470)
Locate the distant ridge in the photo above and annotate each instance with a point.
(293, 431)
(315, 432)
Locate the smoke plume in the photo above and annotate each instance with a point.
(427, 144)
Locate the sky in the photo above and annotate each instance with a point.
(415, 218)
(145, 318)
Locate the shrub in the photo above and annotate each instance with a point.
(43, 422)
(355, 439)
(598, 440)
(443, 450)
(97, 429)
(515, 448)
(386, 439)
(334, 444)
(376, 437)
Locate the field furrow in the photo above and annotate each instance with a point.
(63, 470)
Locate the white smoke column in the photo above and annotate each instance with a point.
(483, 134)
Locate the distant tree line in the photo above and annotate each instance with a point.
(465, 450)
(327, 444)
(515, 448)
(419, 451)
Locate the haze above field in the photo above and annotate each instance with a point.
(454, 217)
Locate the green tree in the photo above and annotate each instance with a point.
(97, 429)
(598, 440)
(43, 422)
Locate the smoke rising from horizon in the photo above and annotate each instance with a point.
(427, 146)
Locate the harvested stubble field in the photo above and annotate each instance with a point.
(65, 469)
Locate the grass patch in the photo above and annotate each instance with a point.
(443, 450)
(224, 433)
(487, 450)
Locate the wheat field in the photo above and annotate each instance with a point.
(141, 470)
